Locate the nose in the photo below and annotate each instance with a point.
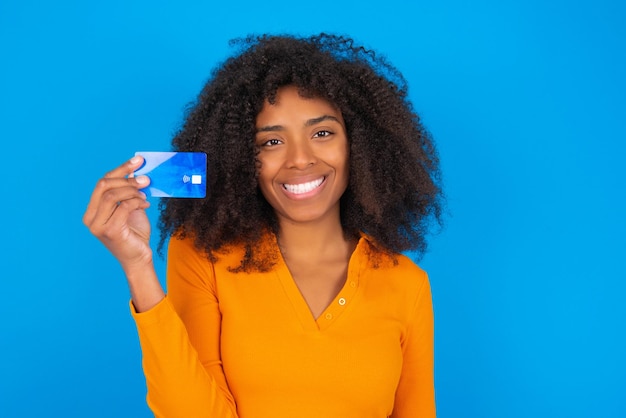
(300, 154)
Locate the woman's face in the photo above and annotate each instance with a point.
(304, 157)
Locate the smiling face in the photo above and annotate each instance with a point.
(303, 151)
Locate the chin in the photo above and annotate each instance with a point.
(308, 217)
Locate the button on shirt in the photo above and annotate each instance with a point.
(247, 345)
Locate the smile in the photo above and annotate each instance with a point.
(304, 187)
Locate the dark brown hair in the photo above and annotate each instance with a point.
(394, 192)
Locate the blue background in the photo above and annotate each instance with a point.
(526, 99)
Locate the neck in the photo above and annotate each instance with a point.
(313, 239)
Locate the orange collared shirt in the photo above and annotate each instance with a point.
(225, 344)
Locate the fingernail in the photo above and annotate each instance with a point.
(142, 179)
(135, 159)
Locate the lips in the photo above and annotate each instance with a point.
(303, 187)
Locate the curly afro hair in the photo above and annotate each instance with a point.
(394, 192)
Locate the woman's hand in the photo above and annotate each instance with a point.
(116, 216)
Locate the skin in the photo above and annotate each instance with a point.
(304, 170)
(303, 142)
(116, 216)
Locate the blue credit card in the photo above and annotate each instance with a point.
(174, 174)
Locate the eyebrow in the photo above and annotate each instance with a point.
(310, 122)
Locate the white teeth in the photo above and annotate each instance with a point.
(304, 187)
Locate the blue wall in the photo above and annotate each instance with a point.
(526, 99)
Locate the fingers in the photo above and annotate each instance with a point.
(115, 225)
(118, 193)
(127, 168)
(114, 188)
(110, 191)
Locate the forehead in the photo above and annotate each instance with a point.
(290, 106)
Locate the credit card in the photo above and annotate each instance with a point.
(174, 174)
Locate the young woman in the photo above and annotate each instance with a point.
(287, 293)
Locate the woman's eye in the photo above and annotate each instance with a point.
(322, 134)
(271, 143)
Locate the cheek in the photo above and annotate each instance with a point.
(265, 187)
(269, 164)
(262, 167)
(343, 166)
(264, 176)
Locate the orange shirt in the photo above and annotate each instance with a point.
(225, 344)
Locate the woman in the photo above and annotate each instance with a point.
(287, 292)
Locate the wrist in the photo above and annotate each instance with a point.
(139, 266)
(145, 289)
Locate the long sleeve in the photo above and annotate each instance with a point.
(181, 362)
(369, 355)
(415, 396)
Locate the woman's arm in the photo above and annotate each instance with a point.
(181, 341)
(178, 384)
(116, 216)
(415, 396)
